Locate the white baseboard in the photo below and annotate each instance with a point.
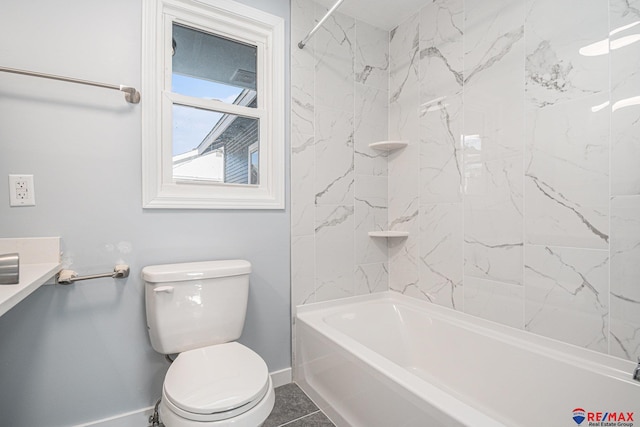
(129, 419)
(281, 377)
(141, 417)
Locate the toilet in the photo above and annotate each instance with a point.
(197, 310)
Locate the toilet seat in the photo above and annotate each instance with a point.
(216, 382)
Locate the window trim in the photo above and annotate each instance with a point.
(235, 21)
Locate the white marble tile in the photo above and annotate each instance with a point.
(623, 12)
(441, 79)
(567, 295)
(404, 164)
(303, 270)
(336, 287)
(335, 258)
(302, 84)
(625, 277)
(372, 56)
(492, 33)
(625, 144)
(625, 96)
(493, 79)
(334, 52)
(441, 168)
(495, 301)
(567, 174)
(624, 329)
(334, 157)
(404, 184)
(404, 253)
(370, 278)
(302, 184)
(566, 48)
(303, 15)
(494, 126)
(441, 253)
(370, 215)
(374, 188)
(441, 49)
(404, 88)
(493, 220)
(371, 125)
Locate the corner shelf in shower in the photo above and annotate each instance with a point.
(388, 145)
(399, 234)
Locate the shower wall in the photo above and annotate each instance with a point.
(339, 190)
(520, 187)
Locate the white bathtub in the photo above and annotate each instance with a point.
(388, 360)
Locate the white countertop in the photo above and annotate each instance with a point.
(32, 276)
(39, 262)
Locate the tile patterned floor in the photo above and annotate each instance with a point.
(294, 409)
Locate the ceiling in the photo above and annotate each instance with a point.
(383, 14)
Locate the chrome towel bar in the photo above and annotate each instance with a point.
(67, 277)
(131, 95)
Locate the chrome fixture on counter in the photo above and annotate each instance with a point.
(9, 269)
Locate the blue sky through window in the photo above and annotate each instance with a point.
(191, 125)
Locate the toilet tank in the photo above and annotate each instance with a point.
(196, 304)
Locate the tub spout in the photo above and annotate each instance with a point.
(636, 372)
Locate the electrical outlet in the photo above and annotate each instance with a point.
(21, 190)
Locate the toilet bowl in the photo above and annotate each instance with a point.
(198, 310)
(219, 385)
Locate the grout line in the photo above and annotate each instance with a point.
(299, 418)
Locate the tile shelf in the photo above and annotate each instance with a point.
(388, 145)
(388, 234)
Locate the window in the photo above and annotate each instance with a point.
(253, 160)
(213, 114)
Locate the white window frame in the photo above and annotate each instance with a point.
(234, 21)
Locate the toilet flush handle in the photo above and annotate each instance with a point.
(163, 289)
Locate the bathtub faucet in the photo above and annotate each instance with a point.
(636, 372)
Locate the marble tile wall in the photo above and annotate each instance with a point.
(521, 184)
(339, 184)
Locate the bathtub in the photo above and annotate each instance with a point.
(393, 361)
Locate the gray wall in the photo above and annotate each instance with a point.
(81, 353)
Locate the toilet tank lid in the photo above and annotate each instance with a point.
(195, 270)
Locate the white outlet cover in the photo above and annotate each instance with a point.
(21, 190)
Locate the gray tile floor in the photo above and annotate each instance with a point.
(294, 409)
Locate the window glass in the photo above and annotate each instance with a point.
(191, 126)
(212, 67)
(254, 164)
(213, 146)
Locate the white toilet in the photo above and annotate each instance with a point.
(197, 309)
